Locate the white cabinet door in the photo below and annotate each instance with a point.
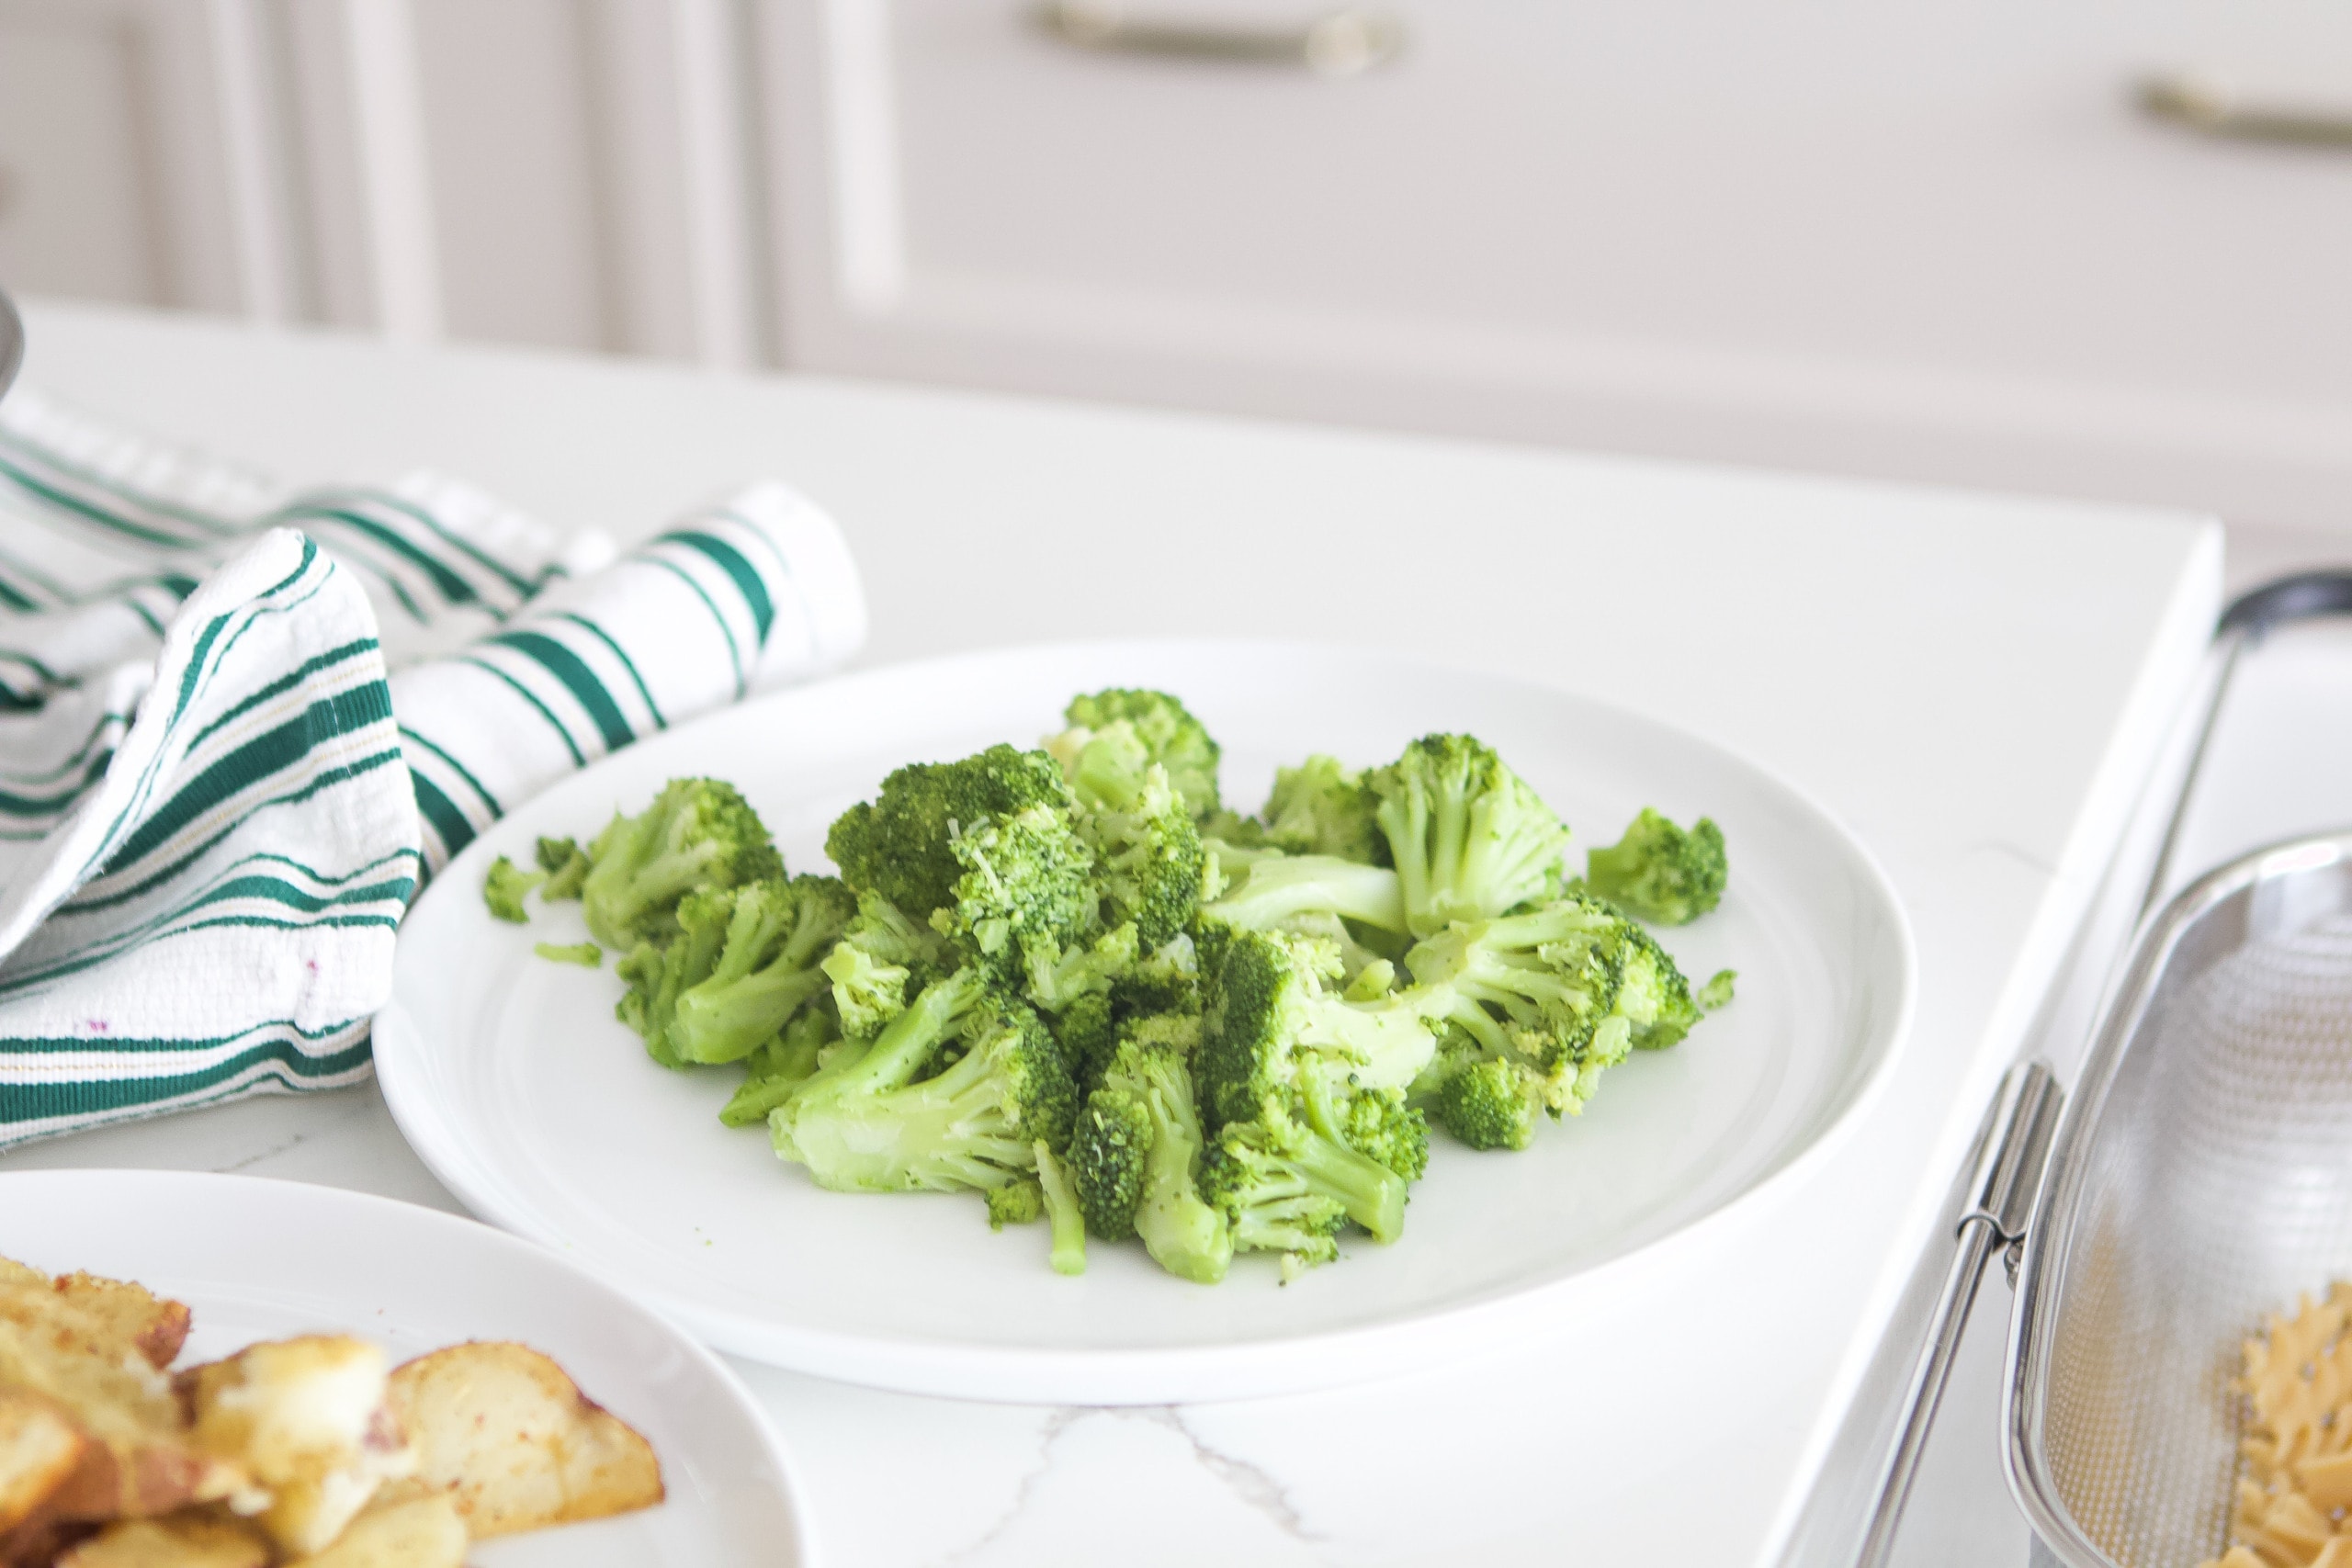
(114, 183)
(1926, 240)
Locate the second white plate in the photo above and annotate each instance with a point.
(515, 1083)
(257, 1260)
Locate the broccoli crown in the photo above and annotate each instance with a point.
(566, 864)
(869, 1121)
(1149, 863)
(1166, 981)
(1469, 837)
(1716, 993)
(1380, 1125)
(1056, 977)
(781, 1065)
(901, 845)
(1491, 1102)
(504, 888)
(1105, 1157)
(658, 977)
(1660, 871)
(1279, 889)
(1322, 808)
(1268, 1025)
(1283, 1187)
(1171, 735)
(1537, 984)
(1655, 1001)
(1026, 890)
(880, 953)
(776, 935)
(697, 833)
(1020, 1202)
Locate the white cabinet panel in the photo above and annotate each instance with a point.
(1910, 238)
(113, 178)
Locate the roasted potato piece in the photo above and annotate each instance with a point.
(416, 1533)
(138, 1459)
(41, 1447)
(306, 1419)
(507, 1435)
(201, 1538)
(113, 1315)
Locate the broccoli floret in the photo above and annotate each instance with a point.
(1061, 1209)
(565, 865)
(1322, 808)
(1379, 1124)
(1660, 871)
(781, 1065)
(902, 844)
(1539, 982)
(1149, 863)
(1491, 1102)
(1025, 897)
(1020, 1202)
(504, 888)
(1716, 993)
(1056, 977)
(869, 1121)
(768, 966)
(1283, 1187)
(697, 833)
(1182, 1231)
(1469, 837)
(586, 955)
(881, 951)
(1268, 1024)
(1175, 740)
(1165, 981)
(1283, 888)
(1105, 1157)
(1654, 999)
(658, 977)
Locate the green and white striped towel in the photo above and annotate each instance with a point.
(216, 804)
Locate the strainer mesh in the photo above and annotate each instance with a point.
(2217, 1191)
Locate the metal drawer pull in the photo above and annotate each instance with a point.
(1345, 42)
(2210, 106)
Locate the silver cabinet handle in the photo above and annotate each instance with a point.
(1345, 42)
(2217, 110)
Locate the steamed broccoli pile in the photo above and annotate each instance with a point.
(1072, 981)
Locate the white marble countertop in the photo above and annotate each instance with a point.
(1974, 685)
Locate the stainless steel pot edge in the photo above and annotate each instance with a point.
(2050, 1233)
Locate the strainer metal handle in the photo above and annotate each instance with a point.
(2011, 1149)
(2014, 1143)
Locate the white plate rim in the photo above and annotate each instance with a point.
(1189, 1374)
(530, 1254)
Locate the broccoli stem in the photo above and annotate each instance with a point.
(1061, 1209)
(1372, 1194)
(587, 954)
(1281, 886)
(1183, 1234)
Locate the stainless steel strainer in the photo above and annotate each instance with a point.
(2201, 1179)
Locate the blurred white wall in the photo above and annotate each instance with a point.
(1933, 241)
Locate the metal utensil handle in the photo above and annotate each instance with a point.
(1344, 42)
(2213, 109)
(2252, 615)
(11, 342)
(2010, 1152)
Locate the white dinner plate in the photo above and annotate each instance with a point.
(260, 1259)
(514, 1081)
